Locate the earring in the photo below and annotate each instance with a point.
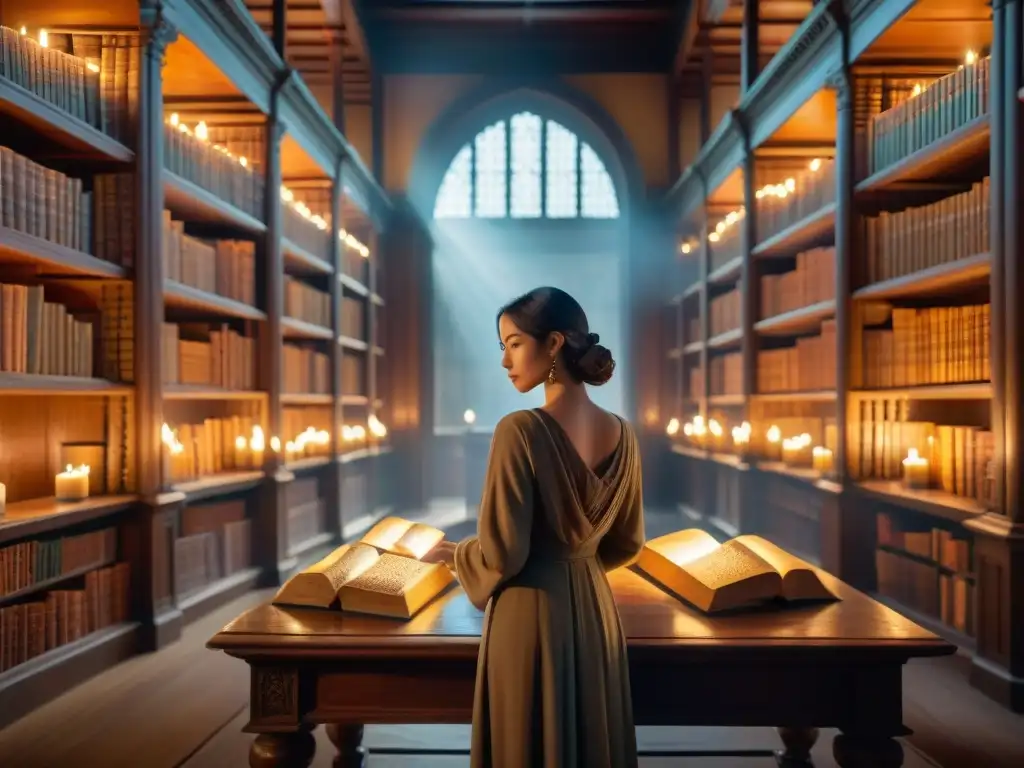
(551, 373)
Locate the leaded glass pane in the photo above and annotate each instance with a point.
(453, 198)
(597, 193)
(560, 147)
(527, 139)
(491, 167)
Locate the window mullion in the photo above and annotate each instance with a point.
(544, 169)
(579, 178)
(472, 179)
(508, 168)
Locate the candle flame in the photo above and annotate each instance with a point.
(202, 132)
(44, 38)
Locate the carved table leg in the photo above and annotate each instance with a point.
(860, 751)
(283, 750)
(348, 740)
(797, 745)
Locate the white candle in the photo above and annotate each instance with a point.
(72, 484)
(915, 470)
(773, 438)
(821, 459)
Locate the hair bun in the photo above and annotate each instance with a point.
(596, 365)
(592, 339)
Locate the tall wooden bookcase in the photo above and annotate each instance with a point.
(192, 308)
(844, 289)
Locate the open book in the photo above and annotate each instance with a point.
(381, 574)
(718, 577)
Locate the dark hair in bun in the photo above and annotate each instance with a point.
(544, 311)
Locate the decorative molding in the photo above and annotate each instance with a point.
(275, 694)
(158, 32)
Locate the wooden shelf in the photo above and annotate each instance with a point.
(726, 400)
(82, 139)
(311, 544)
(929, 502)
(299, 260)
(355, 400)
(353, 285)
(811, 396)
(193, 203)
(951, 276)
(727, 273)
(796, 321)
(691, 452)
(38, 516)
(693, 347)
(726, 340)
(376, 300)
(816, 229)
(955, 151)
(300, 329)
(357, 345)
(693, 290)
(306, 398)
(308, 463)
(72, 386)
(46, 584)
(30, 685)
(200, 392)
(52, 259)
(219, 485)
(180, 296)
(676, 353)
(980, 390)
(803, 474)
(360, 454)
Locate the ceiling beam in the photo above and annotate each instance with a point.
(686, 28)
(342, 13)
(522, 13)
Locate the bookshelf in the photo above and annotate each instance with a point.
(866, 418)
(193, 310)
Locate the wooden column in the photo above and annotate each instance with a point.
(271, 536)
(377, 96)
(844, 255)
(750, 51)
(748, 285)
(705, 302)
(336, 255)
(149, 539)
(998, 667)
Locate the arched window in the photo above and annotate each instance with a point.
(526, 167)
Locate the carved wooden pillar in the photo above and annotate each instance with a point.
(271, 538)
(750, 51)
(149, 538)
(705, 302)
(999, 535)
(844, 250)
(336, 255)
(748, 283)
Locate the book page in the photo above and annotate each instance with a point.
(418, 540)
(730, 563)
(385, 534)
(799, 580)
(356, 561)
(389, 575)
(684, 547)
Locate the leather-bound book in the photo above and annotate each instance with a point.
(742, 572)
(382, 574)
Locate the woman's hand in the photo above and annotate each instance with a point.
(444, 552)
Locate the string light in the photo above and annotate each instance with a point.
(350, 240)
(723, 226)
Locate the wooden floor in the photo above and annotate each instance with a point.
(185, 707)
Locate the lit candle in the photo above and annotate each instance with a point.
(773, 438)
(821, 459)
(72, 484)
(716, 433)
(741, 436)
(257, 444)
(671, 429)
(379, 431)
(796, 450)
(915, 470)
(241, 453)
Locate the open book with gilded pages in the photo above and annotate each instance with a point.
(382, 574)
(743, 571)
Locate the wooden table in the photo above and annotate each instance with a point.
(837, 665)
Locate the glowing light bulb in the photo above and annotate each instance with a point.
(970, 58)
(202, 132)
(685, 248)
(815, 165)
(44, 38)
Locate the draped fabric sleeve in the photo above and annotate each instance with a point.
(622, 543)
(499, 550)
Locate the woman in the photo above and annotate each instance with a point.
(561, 506)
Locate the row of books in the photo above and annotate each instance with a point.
(215, 542)
(117, 330)
(726, 374)
(907, 241)
(691, 329)
(812, 281)
(807, 192)
(926, 589)
(695, 383)
(936, 544)
(810, 365)
(306, 371)
(724, 312)
(930, 113)
(304, 302)
(312, 236)
(937, 345)
(28, 563)
(353, 374)
(28, 630)
(306, 521)
(353, 317)
(223, 267)
(959, 458)
(211, 447)
(44, 203)
(229, 178)
(42, 337)
(215, 356)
